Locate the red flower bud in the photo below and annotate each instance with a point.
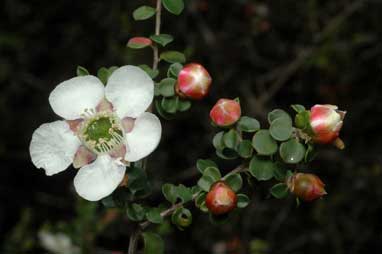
(306, 186)
(221, 199)
(326, 122)
(225, 112)
(193, 82)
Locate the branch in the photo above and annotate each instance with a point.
(241, 168)
(157, 32)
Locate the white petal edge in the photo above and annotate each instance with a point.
(144, 137)
(70, 98)
(100, 178)
(53, 147)
(130, 90)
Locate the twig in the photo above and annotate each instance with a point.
(169, 211)
(133, 242)
(157, 32)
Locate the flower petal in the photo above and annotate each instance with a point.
(130, 90)
(144, 137)
(70, 98)
(100, 178)
(53, 147)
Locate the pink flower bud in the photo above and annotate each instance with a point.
(308, 187)
(221, 198)
(326, 122)
(225, 112)
(193, 82)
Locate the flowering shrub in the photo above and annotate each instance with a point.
(109, 129)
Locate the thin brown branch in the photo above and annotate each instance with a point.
(157, 32)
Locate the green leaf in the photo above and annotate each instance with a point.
(161, 111)
(234, 181)
(263, 143)
(103, 75)
(278, 113)
(135, 212)
(310, 153)
(108, 202)
(302, 120)
(280, 173)
(182, 217)
(82, 71)
(153, 74)
(169, 192)
(242, 200)
(153, 215)
(205, 182)
(200, 202)
(298, 108)
(212, 172)
(231, 139)
(170, 104)
(245, 149)
(184, 193)
(174, 6)
(173, 57)
(218, 141)
(279, 190)
(248, 124)
(137, 183)
(227, 154)
(167, 87)
(153, 243)
(202, 165)
(281, 129)
(143, 12)
(162, 39)
(292, 151)
(262, 169)
(174, 69)
(184, 105)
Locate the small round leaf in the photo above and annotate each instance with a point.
(248, 124)
(292, 151)
(262, 169)
(242, 200)
(263, 143)
(281, 129)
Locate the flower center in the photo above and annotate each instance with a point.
(102, 133)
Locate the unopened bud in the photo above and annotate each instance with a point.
(326, 122)
(308, 187)
(225, 112)
(221, 199)
(193, 82)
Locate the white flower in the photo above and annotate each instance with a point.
(58, 243)
(105, 128)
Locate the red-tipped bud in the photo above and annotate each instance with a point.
(193, 82)
(221, 199)
(308, 187)
(225, 112)
(326, 122)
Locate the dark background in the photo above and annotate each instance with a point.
(269, 53)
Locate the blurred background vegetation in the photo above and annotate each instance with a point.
(269, 53)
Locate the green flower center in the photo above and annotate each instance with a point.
(102, 133)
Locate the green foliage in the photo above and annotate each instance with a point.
(152, 73)
(202, 165)
(200, 202)
(154, 215)
(248, 124)
(162, 39)
(135, 212)
(174, 69)
(167, 87)
(144, 12)
(209, 177)
(298, 108)
(279, 190)
(137, 183)
(103, 74)
(170, 104)
(263, 143)
(242, 200)
(262, 169)
(292, 151)
(174, 193)
(153, 243)
(234, 181)
(231, 139)
(182, 217)
(278, 113)
(174, 6)
(173, 57)
(82, 71)
(245, 149)
(281, 129)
